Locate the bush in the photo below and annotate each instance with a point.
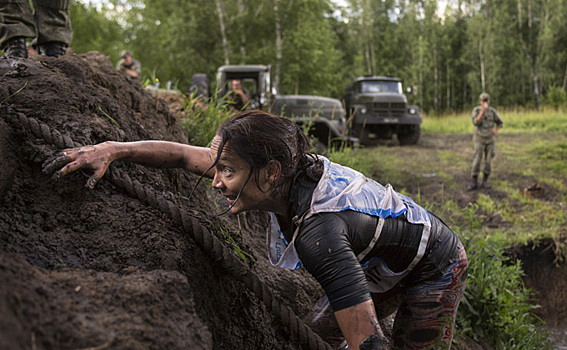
(497, 307)
(556, 97)
(202, 119)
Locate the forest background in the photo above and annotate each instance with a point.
(448, 52)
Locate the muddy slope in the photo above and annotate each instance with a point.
(81, 268)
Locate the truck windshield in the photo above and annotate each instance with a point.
(381, 86)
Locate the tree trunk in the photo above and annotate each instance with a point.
(448, 87)
(278, 45)
(223, 32)
(421, 59)
(481, 57)
(436, 96)
(565, 79)
(521, 53)
(532, 57)
(367, 23)
(242, 21)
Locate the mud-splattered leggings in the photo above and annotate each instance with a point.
(426, 312)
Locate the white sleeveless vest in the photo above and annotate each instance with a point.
(339, 189)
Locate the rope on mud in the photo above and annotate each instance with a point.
(205, 239)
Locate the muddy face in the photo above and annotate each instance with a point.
(237, 183)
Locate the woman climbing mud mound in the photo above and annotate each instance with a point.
(372, 249)
(82, 269)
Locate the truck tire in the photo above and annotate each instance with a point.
(200, 86)
(409, 134)
(362, 132)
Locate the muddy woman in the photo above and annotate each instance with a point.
(374, 251)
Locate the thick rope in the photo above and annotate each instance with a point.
(205, 239)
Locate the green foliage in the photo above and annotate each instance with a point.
(556, 97)
(201, 120)
(347, 156)
(497, 307)
(96, 30)
(447, 57)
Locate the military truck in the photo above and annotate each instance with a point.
(379, 109)
(323, 118)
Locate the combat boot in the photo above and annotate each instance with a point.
(485, 183)
(16, 48)
(474, 184)
(52, 48)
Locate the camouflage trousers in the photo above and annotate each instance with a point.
(482, 149)
(425, 317)
(49, 20)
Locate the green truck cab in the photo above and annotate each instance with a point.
(379, 109)
(323, 118)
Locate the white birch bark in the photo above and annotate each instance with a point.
(278, 45)
(223, 32)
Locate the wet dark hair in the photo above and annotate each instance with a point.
(259, 137)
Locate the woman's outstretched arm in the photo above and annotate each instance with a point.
(157, 154)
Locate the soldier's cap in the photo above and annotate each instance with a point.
(125, 53)
(484, 96)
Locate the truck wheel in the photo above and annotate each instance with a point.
(363, 135)
(199, 86)
(409, 135)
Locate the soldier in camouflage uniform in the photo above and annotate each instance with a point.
(129, 65)
(49, 24)
(487, 122)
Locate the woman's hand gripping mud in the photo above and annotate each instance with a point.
(94, 159)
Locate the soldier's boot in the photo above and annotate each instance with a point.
(474, 184)
(485, 183)
(16, 48)
(52, 48)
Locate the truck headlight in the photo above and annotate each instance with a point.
(412, 111)
(363, 110)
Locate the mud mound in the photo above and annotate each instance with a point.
(81, 268)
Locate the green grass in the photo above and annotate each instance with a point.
(202, 122)
(547, 120)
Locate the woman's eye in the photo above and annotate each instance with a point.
(227, 171)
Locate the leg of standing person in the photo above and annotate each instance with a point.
(488, 157)
(16, 24)
(53, 26)
(477, 159)
(427, 314)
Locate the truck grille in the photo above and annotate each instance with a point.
(389, 109)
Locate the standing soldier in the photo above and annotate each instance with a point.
(485, 119)
(129, 65)
(49, 24)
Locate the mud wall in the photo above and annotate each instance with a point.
(82, 268)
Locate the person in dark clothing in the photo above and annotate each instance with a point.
(373, 250)
(49, 24)
(487, 122)
(129, 65)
